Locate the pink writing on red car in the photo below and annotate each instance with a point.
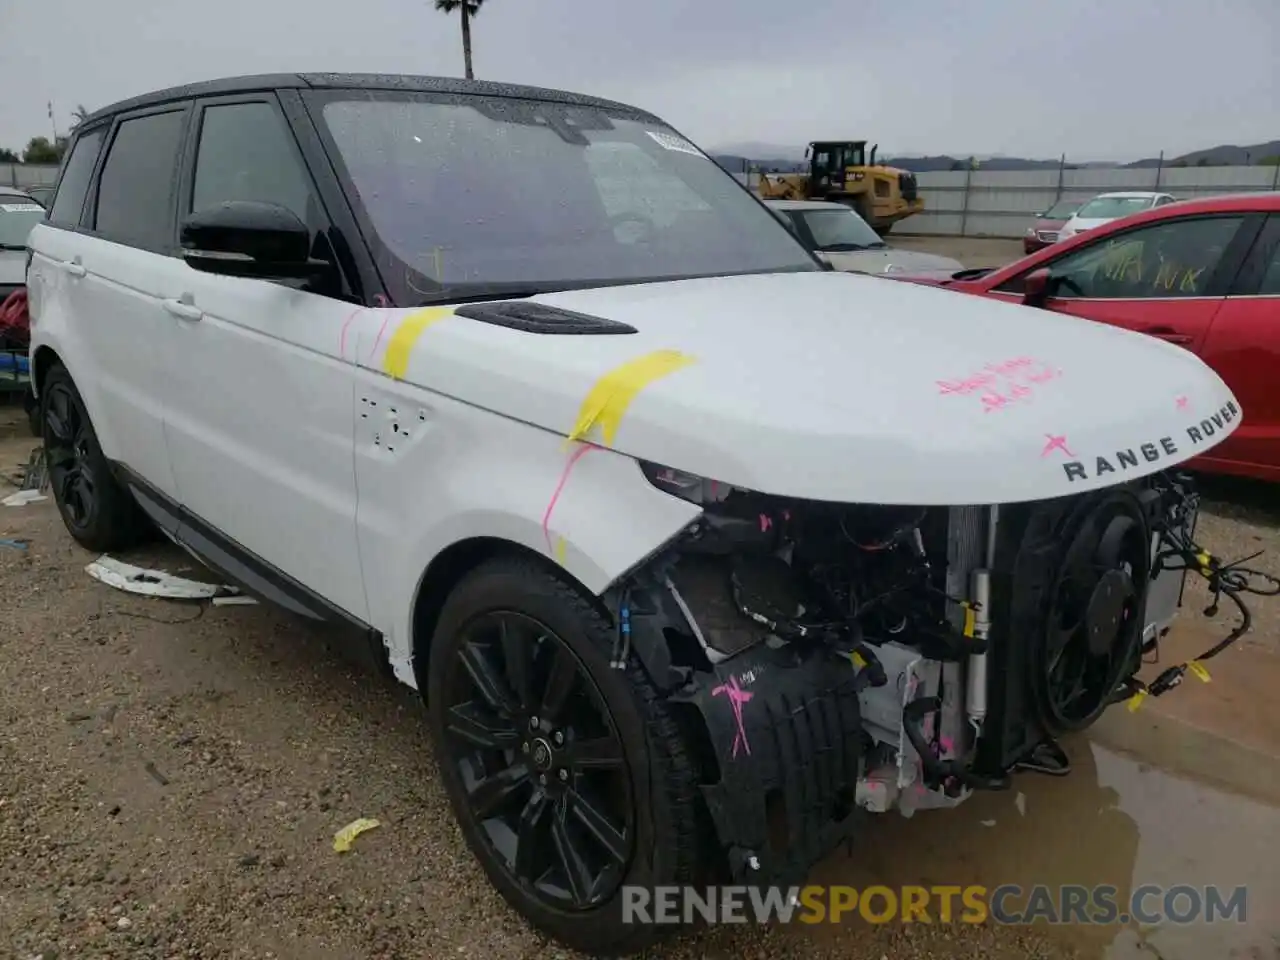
(1004, 382)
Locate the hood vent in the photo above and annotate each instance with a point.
(540, 318)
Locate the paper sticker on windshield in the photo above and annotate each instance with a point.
(20, 207)
(669, 141)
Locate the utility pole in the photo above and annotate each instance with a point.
(54, 124)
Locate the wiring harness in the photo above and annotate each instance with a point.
(1177, 551)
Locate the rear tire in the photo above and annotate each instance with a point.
(32, 408)
(552, 784)
(99, 513)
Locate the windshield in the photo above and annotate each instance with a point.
(834, 230)
(17, 219)
(467, 194)
(1112, 208)
(1062, 210)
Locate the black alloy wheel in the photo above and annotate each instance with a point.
(67, 439)
(99, 512)
(541, 762)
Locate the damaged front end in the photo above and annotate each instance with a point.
(835, 658)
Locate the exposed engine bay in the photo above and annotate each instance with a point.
(882, 658)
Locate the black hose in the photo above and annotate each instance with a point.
(913, 715)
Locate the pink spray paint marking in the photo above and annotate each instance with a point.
(1182, 403)
(1054, 442)
(737, 697)
(342, 337)
(381, 330)
(1003, 382)
(574, 457)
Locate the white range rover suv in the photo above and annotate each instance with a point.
(696, 549)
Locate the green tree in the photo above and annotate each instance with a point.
(1273, 161)
(467, 9)
(8, 156)
(40, 150)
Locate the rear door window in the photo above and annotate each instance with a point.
(68, 202)
(135, 189)
(1260, 274)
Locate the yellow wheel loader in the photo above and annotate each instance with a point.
(841, 171)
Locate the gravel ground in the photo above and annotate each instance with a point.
(171, 777)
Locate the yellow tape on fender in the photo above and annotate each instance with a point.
(395, 363)
(613, 393)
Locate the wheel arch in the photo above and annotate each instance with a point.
(41, 363)
(450, 567)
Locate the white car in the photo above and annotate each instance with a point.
(679, 533)
(19, 213)
(1106, 207)
(836, 233)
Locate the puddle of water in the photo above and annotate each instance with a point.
(1111, 822)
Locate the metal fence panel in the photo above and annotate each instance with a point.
(28, 174)
(1002, 203)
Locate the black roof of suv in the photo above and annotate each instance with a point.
(371, 81)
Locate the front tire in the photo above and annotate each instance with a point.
(99, 513)
(568, 777)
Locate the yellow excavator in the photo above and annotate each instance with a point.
(841, 171)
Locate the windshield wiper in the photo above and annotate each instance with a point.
(13, 246)
(844, 247)
(479, 292)
(481, 297)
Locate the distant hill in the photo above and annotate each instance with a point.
(741, 159)
(1221, 156)
(787, 153)
(737, 164)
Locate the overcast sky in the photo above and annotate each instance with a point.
(1099, 79)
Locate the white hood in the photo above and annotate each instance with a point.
(903, 263)
(1075, 225)
(836, 386)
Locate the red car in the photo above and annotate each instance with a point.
(1044, 229)
(1204, 274)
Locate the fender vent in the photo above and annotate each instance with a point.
(539, 318)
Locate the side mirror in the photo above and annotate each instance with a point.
(245, 238)
(1037, 287)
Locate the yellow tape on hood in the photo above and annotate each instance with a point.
(395, 362)
(613, 393)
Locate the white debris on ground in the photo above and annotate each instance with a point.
(157, 583)
(23, 497)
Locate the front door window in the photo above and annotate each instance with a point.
(1167, 260)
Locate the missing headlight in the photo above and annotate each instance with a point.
(686, 486)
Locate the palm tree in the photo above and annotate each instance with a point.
(468, 8)
(79, 115)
